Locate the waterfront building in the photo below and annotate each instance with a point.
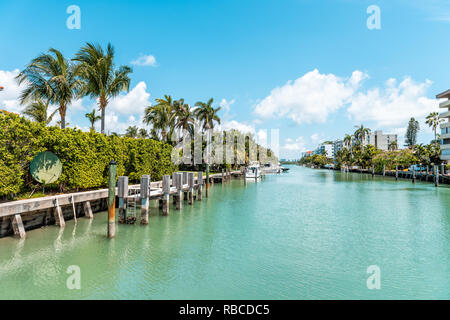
(325, 147)
(445, 127)
(337, 145)
(378, 139)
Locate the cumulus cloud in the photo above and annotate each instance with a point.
(311, 97)
(292, 148)
(145, 61)
(133, 102)
(225, 104)
(9, 97)
(393, 105)
(240, 126)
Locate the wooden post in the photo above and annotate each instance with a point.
(174, 184)
(191, 178)
(112, 199)
(123, 195)
(145, 194)
(200, 185)
(59, 218)
(396, 172)
(207, 180)
(414, 175)
(166, 194)
(436, 176)
(185, 181)
(373, 171)
(179, 195)
(18, 227)
(384, 170)
(88, 210)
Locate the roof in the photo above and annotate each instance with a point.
(1, 88)
(445, 94)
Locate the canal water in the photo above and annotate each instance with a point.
(306, 234)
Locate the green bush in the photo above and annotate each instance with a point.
(84, 155)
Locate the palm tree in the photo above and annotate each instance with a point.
(93, 118)
(142, 133)
(361, 133)
(38, 111)
(51, 77)
(184, 118)
(433, 121)
(206, 114)
(131, 132)
(393, 145)
(160, 115)
(100, 77)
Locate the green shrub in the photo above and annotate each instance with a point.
(84, 155)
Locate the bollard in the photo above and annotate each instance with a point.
(166, 194)
(145, 194)
(122, 193)
(179, 195)
(112, 199)
(191, 178)
(207, 180)
(436, 176)
(200, 185)
(396, 173)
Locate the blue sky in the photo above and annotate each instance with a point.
(311, 69)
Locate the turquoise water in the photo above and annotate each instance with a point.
(307, 234)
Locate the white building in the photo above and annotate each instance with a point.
(337, 145)
(378, 139)
(325, 147)
(445, 127)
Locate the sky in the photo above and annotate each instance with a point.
(311, 69)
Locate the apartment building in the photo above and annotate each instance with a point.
(445, 127)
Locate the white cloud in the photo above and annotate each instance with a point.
(394, 105)
(225, 104)
(292, 148)
(145, 60)
(9, 97)
(310, 98)
(134, 102)
(240, 126)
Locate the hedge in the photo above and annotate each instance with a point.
(84, 155)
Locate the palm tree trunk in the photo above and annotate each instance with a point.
(103, 120)
(103, 102)
(62, 114)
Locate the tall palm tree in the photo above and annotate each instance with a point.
(93, 118)
(51, 77)
(160, 116)
(38, 111)
(184, 118)
(100, 77)
(206, 114)
(361, 133)
(434, 121)
(393, 145)
(132, 132)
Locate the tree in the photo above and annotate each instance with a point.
(38, 111)
(100, 77)
(411, 133)
(393, 145)
(160, 116)
(131, 132)
(361, 133)
(142, 133)
(184, 118)
(93, 118)
(433, 121)
(51, 77)
(206, 114)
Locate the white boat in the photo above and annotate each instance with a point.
(271, 168)
(253, 171)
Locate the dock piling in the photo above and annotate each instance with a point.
(207, 180)
(384, 170)
(112, 199)
(145, 194)
(18, 227)
(191, 178)
(123, 195)
(200, 185)
(88, 210)
(396, 172)
(59, 218)
(436, 176)
(413, 175)
(166, 193)
(179, 195)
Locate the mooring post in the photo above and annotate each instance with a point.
(185, 181)
(436, 176)
(179, 195)
(200, 185)
(373, 171)
(112, 199)
(174, 184)
(18, 227)
(223, 175)
(59, 218)
(384, 170)
(207, 180)
(191, 178)
(145, 194)
(166, 194)
(123, 195)
(413, 175)
(396, 172)
(88, 210)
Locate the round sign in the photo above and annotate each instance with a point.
(45, 167)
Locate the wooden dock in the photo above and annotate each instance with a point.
(59, 208)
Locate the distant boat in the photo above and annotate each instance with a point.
(271, 168)
(253, 171)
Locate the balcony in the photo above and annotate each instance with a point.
(444, 104)
(444, 114)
